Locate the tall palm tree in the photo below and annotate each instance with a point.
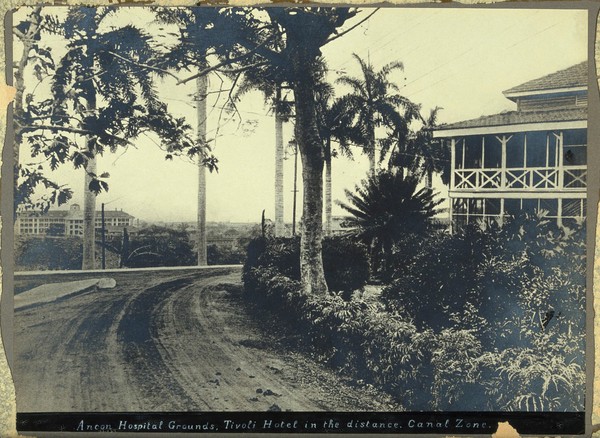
(279, 154)
(376, 102)
(271, 88)
(421, 155)
(196, 40)
(386, 207)
(335, 124)
(277, 40)
(201, 90)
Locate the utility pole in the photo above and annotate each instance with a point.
(103, 240)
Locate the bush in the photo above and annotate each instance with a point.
(469, 338)
(224, 255)
(154, 246)
(345, 262)
(521, 289)
(480, 278)
(48, 253)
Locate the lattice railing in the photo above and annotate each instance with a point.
(575, 177)
(520, 178)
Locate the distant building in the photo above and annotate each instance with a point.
(69, 222)
(534, 158)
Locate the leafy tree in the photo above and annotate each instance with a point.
(153, 246)
(38, 60)
(286, 43)
(102, 93)
(387, 207)
(376, 102)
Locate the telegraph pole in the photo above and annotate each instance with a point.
(103, 240)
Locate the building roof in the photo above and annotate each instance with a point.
(50, 213)
(73, 213)
(114, 213)
(520, 117)
(574, 76)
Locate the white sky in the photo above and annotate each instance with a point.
(460, 60)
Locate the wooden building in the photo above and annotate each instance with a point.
(532, 158)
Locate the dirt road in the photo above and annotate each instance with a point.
(167, 341)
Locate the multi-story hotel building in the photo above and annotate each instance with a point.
(69, 222)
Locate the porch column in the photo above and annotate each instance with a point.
(561, 168)
(503, 142)
(452, 162)
(559, 215)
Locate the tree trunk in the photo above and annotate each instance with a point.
(89, 217)
(429, 179)
(279, 222)
(89, 197)
(372, 151)
(20, 91)
(312, 275)
(202, 87)
(328, 220)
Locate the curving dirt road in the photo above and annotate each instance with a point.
(167, 341)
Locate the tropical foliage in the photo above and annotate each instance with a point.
(346, 263)
(153, 246)
(100, 91)
(497, 325)
(47, 253)
(375, 101)
(385, 209)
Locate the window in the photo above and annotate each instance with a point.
(536, 149)
(515, 151)
(473, 149)
(550, 206)
(493, 152)
(573, 208)
(575, 147)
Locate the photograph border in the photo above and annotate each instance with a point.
(592, 416)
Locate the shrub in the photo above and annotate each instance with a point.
(48, 253)
(224, 255)
(345, 262)
(470, 338)
(154, 246)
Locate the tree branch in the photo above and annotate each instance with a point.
(228, 62)
(69, 129)
(139, 64)
(351, 28)
(243, 69)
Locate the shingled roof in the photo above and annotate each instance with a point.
(575, 76)
(519, 117)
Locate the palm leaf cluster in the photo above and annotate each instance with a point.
(386, 207)
(374, 101)
(421, 155)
